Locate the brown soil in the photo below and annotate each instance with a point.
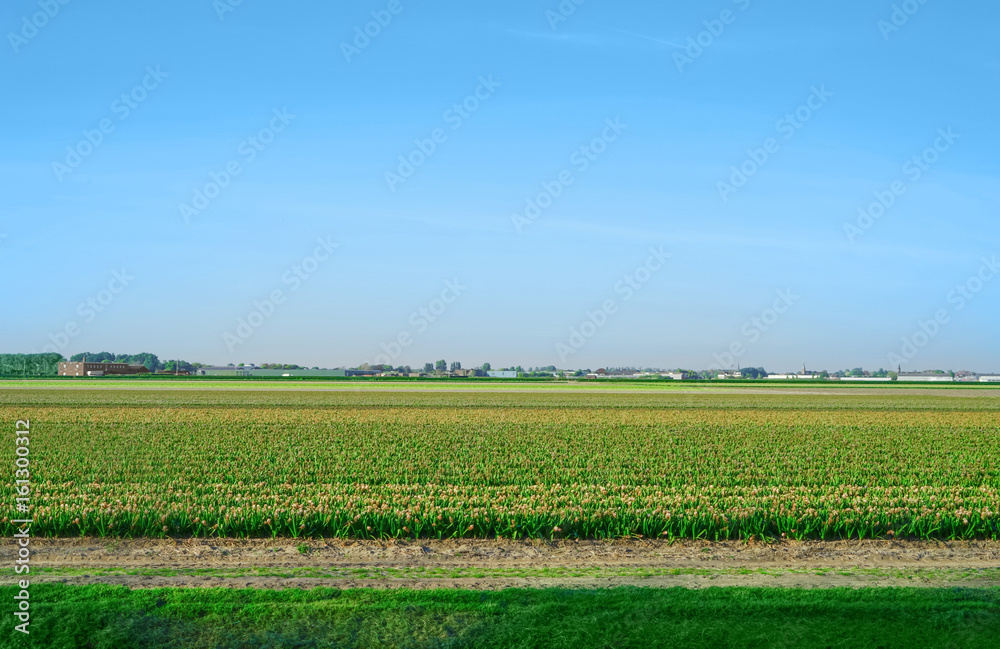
(809, 564)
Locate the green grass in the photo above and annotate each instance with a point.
(110, 617)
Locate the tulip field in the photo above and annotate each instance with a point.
(177, 463)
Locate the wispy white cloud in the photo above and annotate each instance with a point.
(648, 38)
(717, 239)
(562, 36)
(593, 38)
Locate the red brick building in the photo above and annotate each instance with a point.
(83, 368)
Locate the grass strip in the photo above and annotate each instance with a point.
(112, 617)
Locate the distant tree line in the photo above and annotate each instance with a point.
(857, 371)
(151, 361)
(30, 364)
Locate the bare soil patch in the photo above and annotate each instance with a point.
(493, 564)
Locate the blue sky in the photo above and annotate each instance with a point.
(824, 105)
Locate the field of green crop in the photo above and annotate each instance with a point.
(532, 464)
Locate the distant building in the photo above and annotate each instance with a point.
(223, 370)
(804, 375)
(307, 373)
(502, 374)
(866, 378)
(730, 374)
(936, 377)
(83, 368)
(989, 378)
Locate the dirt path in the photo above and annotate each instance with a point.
(483, 564)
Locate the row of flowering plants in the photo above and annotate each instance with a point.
(249, 470)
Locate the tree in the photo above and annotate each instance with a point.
(455, 365)
(99, 357)
(178, 366)
(486, 367)
(428, 367)
(441, 366)
(30, 364)
(150, 361)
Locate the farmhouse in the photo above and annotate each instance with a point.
(83, 368)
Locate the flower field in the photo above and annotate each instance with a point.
(564, 466)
